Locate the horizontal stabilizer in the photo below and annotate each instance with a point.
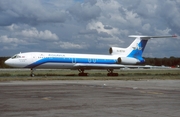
(149, 37)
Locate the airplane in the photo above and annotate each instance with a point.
(118, 58)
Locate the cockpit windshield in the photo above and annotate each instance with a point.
(16, 56)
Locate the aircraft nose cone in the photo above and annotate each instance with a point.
(14, 63)
(7, 62)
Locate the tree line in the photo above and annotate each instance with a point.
(171, 61)
(2, 65)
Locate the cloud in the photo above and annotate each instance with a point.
(84, 11)
(99, 26)
(146, 27)
(88, 26)
(8, 43)
(163, 32)
(12, 27)
(32, 12)
(7, 40)
(88, 31)
(69, 45)
(108, 27)
(43, 35)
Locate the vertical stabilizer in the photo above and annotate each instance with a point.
(135, 50)
(137, 47)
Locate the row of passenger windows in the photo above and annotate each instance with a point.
(43, 57)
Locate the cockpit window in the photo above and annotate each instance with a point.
(15, 56)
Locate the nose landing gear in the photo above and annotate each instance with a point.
(32, 72)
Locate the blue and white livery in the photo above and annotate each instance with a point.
(118, 58)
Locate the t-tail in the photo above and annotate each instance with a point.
(133, 53)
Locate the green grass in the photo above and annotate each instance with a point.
(24, 75)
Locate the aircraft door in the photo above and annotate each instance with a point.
(33, 57)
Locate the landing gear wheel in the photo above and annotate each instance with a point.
(82, 72)
(32, 75)
(111, 73)
(32, 72)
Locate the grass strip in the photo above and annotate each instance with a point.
(24, 75)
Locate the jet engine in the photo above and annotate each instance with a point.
(116, 50)
(127, 60)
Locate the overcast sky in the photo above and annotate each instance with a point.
(88, 26)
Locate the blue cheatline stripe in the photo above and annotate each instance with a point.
(71, 60)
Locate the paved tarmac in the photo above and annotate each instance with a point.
(148, 98)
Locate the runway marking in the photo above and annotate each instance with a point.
(150, 92)
(46, 98)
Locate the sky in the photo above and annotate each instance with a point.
(88, 26)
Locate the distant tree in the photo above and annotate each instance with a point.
(172, 61)
(165, 61)
(2, 60)
(158, 61)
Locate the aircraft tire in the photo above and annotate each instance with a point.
(83, 74)
(32, 75)
(115, 74)
(112, 74)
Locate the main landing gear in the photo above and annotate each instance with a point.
(111, 73)
(82, 72)
(32, 72)
(108, 74)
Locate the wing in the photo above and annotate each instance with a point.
(105, 66)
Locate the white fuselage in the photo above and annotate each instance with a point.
(57, 60)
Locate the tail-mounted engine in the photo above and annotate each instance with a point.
(127, 60)
(116, 50)
(123, 52)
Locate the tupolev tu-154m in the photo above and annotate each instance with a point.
(118, 58)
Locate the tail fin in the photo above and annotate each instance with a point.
(135, 50)
(137, 47)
